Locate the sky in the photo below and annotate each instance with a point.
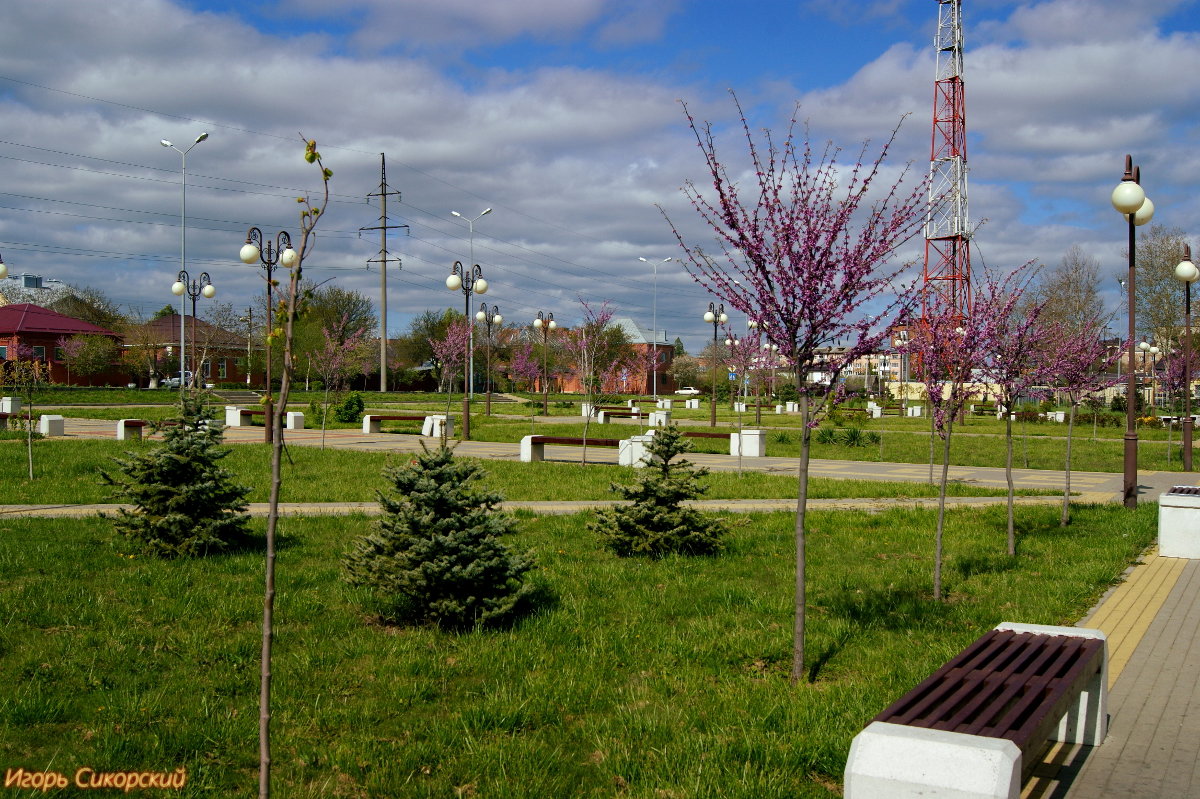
(562, 116)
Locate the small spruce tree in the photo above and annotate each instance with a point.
(436, 557)
(185, 504)
(658, 523)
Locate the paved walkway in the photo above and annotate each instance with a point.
(1152, 618)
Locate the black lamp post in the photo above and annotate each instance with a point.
(545, 323)
(716, 316)
(468, 280)
(201, 286)
(1131, 201)
(1186, 272)
(267, 255)
(489, 317)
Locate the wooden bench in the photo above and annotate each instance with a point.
(603, 414)
(131, 429)
(236, 416)
(533, 448)
(979, 725)
(431, 424)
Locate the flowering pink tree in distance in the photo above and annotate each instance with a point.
(1080, 365)
(600, 355)
(524, 368)
(945, 349)
(804, 245)
(341, 355)
(450, 351)
(1017, 357)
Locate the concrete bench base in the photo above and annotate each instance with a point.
(130, 429)
(294, 420)
(892, 761)
(51, 424)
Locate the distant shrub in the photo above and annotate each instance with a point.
(351, 409)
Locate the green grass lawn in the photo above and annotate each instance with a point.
(68, 471)
(654, 680)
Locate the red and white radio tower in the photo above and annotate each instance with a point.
(947, 236)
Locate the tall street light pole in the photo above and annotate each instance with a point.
(1131, 201)
(470, 389)
(654, 320)
(716, 316)
(545, 323)
(489, 317)
(184, 285)
(268, 254)
(1186, 272)
(183, 154)
(468, 280)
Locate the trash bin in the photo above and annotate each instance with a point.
(1179, 522)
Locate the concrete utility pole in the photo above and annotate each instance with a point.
(383, 227)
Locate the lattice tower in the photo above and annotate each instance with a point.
(947, 274)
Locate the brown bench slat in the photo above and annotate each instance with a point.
(705, 435)
(1006, 684)
(577, 442)
(397, 418)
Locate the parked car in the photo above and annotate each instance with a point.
(688, 390)
(173, 380)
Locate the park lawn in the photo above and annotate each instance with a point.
(68, 471)
(645, 679)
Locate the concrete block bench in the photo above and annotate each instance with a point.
(131, 429)
(533, 448)
(431, 424)
(237, 416)
(751, 442)
(977, 727)
(604, 414)
(293, 420)
(692, 403)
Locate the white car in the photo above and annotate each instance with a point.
(688, 390)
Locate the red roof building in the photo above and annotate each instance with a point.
(31, 331)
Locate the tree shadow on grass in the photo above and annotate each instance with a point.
(969, 566)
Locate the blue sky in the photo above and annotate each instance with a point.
(562, 115)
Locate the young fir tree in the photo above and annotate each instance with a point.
(437, 557)
(658, 523)
(185, 504)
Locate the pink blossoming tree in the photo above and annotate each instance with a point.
(805, 243)
(1082, 363)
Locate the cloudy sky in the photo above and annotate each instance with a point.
(563, 116)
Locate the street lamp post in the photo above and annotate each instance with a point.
(183, 154)
(468, 280)
(267, 255)
(471, 345)
(545, 323)
(716, 316)
(654, 319)
(1186, 272)
(489, 317)
(185, 285)
(1131, 201)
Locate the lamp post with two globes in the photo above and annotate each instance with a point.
(1130, 200)
(185, 285)
(267, 254)
(489, 317)
(1186, 272)
(545, 323)
(716, 316)
(468, 280)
